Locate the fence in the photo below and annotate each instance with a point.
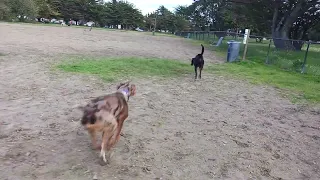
(263, 50)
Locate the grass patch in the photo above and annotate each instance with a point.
(295, 85)
(258, 52)
(111, 69)
(165, 34)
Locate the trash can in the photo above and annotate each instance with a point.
(233, 50)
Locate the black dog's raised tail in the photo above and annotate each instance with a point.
(202, 49)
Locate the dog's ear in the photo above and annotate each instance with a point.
(192, 61)
(125, 84)
(120, 85)
(132, 90)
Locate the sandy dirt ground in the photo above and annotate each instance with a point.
(214, 128)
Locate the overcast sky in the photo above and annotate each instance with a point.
(151, 5)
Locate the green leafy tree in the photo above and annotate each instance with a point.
(46, 9)
(288, 19)
(4, 10)
(314, 33)
(22, 8)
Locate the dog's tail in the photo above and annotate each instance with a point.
(202, 49)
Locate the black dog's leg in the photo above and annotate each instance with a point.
(195, 70)
(200, 73)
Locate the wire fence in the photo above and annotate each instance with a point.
(263, 49)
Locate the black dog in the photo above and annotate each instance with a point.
(198, 62)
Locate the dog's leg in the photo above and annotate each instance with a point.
(92, 129)
(109, 146)
(93, 136)
(116, 137)
(103, 146)
(108, 132)
(195, 71)
(200, 73)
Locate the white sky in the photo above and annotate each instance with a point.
(151, 5)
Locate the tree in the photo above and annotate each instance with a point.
(288, 19)
(110, 13)
(4, 10)
(180, 24)
(166, 20)
(293, 19)
(149, 21)
(242, 14)
(124, 14)
(129, 16)
(22, 9)
(46, 9)
(314, 33)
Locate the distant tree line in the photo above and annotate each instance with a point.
(102, 13)
(111, 13)
(279, 19)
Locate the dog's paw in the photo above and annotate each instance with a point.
(103, 155)
(96, 147)
(106, 157)
(110, 154)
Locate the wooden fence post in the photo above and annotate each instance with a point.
(245, 41)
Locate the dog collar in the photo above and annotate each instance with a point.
(126, 93)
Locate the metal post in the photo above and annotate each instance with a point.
(267, 60)
(246, 46)
(155, 23)
(303, 69)
(237, 34)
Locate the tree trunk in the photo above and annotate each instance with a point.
(282, 41)
(281, 29)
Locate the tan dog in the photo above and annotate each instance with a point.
(106, 114)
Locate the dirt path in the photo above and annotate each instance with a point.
(216, 128)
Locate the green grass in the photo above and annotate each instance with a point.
(287, 60)
(164, 34)
(111, 69)
(296, 86)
